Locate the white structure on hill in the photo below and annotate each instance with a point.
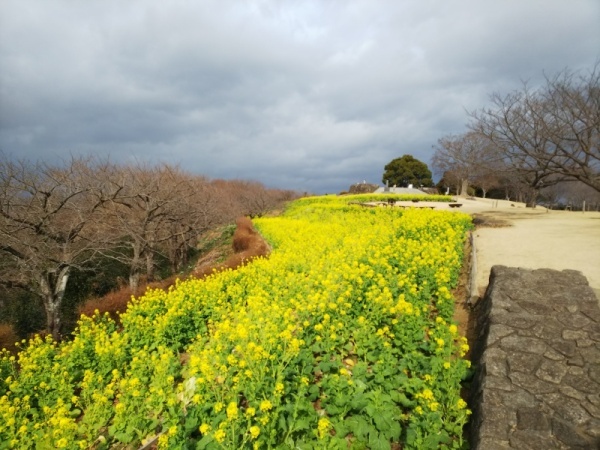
(399, 190)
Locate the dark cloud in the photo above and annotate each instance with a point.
(305, 95)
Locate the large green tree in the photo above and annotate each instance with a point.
(407, 170)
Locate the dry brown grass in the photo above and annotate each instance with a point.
(116, 301)
(483, 221)
(8, 338)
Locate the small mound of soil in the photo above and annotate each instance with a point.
(483, 221)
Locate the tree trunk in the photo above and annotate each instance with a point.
(531, 198)
(134, 280)
(149, 266)
(135, 268)
(464, 188)
(53, 285)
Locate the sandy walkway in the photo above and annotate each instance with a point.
(536, 239)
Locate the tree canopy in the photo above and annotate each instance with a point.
(407, 170)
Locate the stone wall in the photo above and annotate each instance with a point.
(537, 384)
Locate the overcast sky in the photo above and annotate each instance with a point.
(307, 95)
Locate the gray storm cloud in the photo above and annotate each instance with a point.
(304, 95)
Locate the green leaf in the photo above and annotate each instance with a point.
(400, 397)
(332, 410)
(359, 426)
(313, 392)
(282, 423)
(395, 431)
(385, 398)
(382, 422)
(190, 423)
(378, 442)
(301, 424)
(358, 402)
(340, 400)
(204, 442)
(342, 429)
(325, 366)
(338, 443)
(154, 423)
(123, 437)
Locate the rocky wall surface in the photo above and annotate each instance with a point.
(537, 384)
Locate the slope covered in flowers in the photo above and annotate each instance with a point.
(342, 338)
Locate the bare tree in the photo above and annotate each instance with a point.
(547, 135)
(198, 211)
(48, 217)
(517, 126)
(573, 123)
(464, 158)
(253, 198)
(147, 213)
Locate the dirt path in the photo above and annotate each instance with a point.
(536, 239)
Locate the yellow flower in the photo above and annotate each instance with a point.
(250, 412)
(323, 427)
(204, 428)
(232, 410)
(218, 407)
(254, 431)
(464, 348)
(266, 405)
(427, 394)
(220, 435)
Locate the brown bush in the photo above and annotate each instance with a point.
(116, 301)
(244, 235)
(8, 338)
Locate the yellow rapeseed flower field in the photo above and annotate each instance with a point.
(342, 338)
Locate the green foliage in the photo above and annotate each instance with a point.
(407, 170)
